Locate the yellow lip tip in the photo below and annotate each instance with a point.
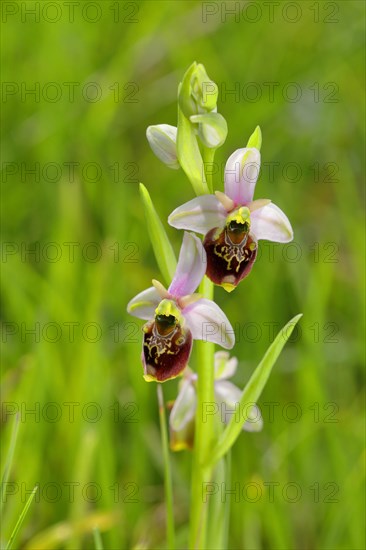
(149, 378)
(228, 287)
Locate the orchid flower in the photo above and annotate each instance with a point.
(227, 397)
(177, 316)
(233, 222)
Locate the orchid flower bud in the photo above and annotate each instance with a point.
(212, 129)
(204, 90)
(197, 93)
(162, 139)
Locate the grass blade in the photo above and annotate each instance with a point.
(253, 390)
(163, 250)
(21, 518)
(9, 458)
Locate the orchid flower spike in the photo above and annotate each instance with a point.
(233, 222)
(227, 397)
(177, 316)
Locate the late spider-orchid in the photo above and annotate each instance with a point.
(176, 316)
(233, 222)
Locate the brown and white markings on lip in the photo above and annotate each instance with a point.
(166, 348)
(228, 262)
(231, 253)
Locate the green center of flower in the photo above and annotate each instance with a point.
(167, 317)
(238, 225)
(165, 324)
(238, 228)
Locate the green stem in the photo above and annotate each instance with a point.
(204, 434)
(204, 422)
(208, 159)
(216, 510)
(168, 484)
(227, 506)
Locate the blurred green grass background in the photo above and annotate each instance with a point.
(103, 464)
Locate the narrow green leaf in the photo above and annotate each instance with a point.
(21, 518)
(255, 139)
(253, 390)
(9, 459)
(97, 539)
(218, 515)
(189, 155)
(163, 250)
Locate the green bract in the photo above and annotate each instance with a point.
(163, 250)
(189, 155)
(255, 139)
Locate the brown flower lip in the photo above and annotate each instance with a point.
(166, 348)
(231, 254)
